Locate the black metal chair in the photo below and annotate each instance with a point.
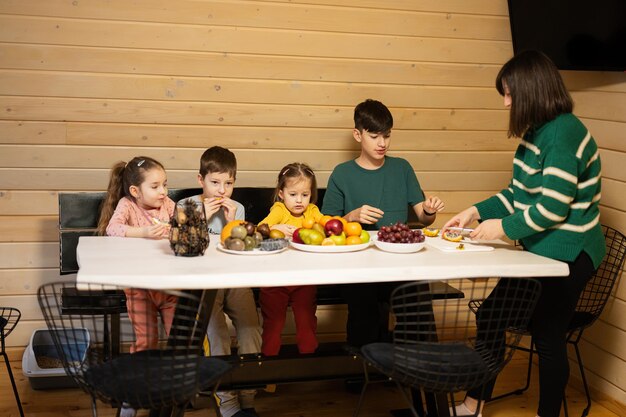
(590, 305)
(437, 347)
(9, 317)
(164, 377)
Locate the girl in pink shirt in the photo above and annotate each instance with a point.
(137, 205)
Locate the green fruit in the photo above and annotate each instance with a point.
(236, 244)
(249, 242)
(319, 228)
(314, 238)
(239, 232)
(365, 236)
(339, 239)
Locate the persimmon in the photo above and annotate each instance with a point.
(324, 219)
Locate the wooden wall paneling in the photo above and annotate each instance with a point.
(613, 166)
(488, 7)
(606, 335)
(277, 16)
(595, 81)
(27, 304)
(260, 137)
(27, 281)
(607, 134)
(613, 193)
(28, 203)
(29, 156)
(23, 332)
(12, 131)
(247, 66)
(29, 229)
(603, 364)
(137, 111)
(26, 29)
(17, 255)
(90, 180)
(142, 87)
(600, 105)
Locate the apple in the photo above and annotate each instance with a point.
(339, 239)
(365, 236)
(296, 236)
(333, 227)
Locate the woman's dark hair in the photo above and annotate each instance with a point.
(373, 116)
(123, 176)
(292, 171)
(538, 94)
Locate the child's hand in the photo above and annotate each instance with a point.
(230, 209)
(365, 215)
(211, 206)
(286, 229)
(157, 231)
(433, 205)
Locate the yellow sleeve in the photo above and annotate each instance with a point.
(312, 211)
(276, 216)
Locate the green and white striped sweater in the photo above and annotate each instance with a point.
(551, 204)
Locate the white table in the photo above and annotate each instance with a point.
(144, 263)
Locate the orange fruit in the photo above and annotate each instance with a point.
(228, 228)
(352, 229)
(324, 219)
(308, 223)
(353, 240)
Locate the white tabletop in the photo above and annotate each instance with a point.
(144, 263)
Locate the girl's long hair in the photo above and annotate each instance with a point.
(537, 91)
(123, 176)
(296, 170)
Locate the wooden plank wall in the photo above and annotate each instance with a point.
(86, 83)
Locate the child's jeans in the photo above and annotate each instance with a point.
(274, 302)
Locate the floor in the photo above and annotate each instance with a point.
(319, 399)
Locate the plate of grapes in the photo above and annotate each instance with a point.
(399, 238)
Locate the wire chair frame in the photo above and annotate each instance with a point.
(167, 375)
(437, 346)
(9, 317)
(591, 303)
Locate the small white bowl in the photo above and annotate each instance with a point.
(399, 247)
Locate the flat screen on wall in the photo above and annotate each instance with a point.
(576, 34)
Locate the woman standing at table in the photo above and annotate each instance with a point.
(551, 206)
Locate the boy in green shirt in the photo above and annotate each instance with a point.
(375, 190)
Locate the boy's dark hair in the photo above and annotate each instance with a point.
(538, 94)
(373, 116)
(123, 176)
(218, 159)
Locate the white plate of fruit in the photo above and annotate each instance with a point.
(239, 237)
(332, 235)
(399, 238)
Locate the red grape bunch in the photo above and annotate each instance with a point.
(400, 233)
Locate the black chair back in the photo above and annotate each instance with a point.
(168, 372)
(436, 345)
(594, 297)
